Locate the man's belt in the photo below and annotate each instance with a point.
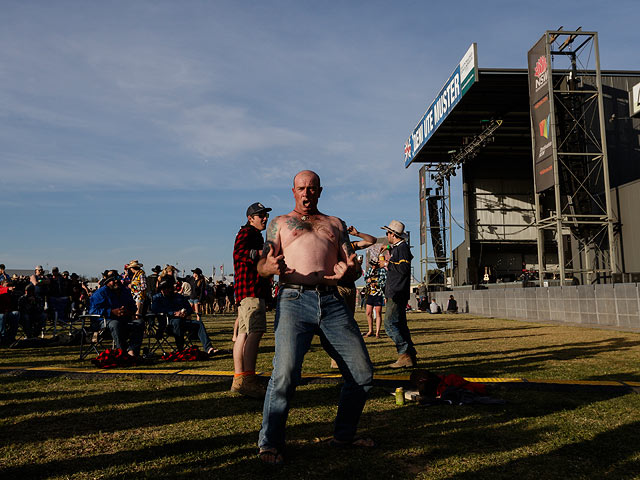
(320, 288)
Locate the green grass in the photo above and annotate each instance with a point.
(134, 426)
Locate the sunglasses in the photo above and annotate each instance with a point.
(262, 215)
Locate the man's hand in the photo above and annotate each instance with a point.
(119, 312)
(341, 268)
(273, 265)
(383, 258)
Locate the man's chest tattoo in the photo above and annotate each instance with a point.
(297, 224)
(272, 231)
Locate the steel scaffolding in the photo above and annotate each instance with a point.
(575, 212)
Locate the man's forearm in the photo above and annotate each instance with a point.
(262, 271)
(367, 240)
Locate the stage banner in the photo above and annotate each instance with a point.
(544, 174)
(539, 90)
(423, 203)
(423, 220)
(460, 81)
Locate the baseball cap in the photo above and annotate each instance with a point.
(256, 208)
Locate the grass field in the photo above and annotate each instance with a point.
(167, 426)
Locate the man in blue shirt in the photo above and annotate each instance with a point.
(114, 303)
(178, 310)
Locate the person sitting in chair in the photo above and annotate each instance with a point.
(178, 310)
(452, 305)
(32, 314)
(114, 303)
(434, 307)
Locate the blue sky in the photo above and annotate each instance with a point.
(143, 130)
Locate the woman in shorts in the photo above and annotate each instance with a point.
(375, 277)
(198, 292)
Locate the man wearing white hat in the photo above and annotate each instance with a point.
(397, 292)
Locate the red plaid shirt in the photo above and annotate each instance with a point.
(247, 282)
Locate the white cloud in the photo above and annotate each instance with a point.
(216, 131)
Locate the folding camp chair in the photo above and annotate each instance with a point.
(21, 333)
(55, 325)
(160, 334)
(93, 332)
(73, 325)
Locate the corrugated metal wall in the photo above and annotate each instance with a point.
(503, 210)
(626, 199)
(616, 305)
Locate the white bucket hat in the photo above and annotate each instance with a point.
(395, 227)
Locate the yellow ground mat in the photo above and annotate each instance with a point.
(309, 376)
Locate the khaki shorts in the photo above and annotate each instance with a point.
(252, 315)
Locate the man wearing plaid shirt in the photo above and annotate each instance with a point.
(250, 293)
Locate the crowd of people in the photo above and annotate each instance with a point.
(29, 301)
(32, 302)
(317, 266)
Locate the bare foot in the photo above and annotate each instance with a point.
(271, 457)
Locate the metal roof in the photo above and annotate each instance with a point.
(498, 94)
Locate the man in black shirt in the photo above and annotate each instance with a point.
(397, 293)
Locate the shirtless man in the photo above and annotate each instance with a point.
(310, 251)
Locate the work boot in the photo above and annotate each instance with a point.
(249, 386)
(237, 383)
(404, 360)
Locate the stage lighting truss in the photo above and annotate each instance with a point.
(444, 171)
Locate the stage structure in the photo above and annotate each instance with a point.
(435, 201)
(571, 171)
(480, 128)
(435, 219)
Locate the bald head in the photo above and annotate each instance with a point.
(306, 191)
(305, 174)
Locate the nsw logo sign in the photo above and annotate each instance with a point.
(541, 72)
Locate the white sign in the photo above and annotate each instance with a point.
(464, 75)
(634, 100)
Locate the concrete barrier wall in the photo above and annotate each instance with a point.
(616, 305)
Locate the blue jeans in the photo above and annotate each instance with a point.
(395, 324)
(60, 305)
(180, 326)
(123, 329)
(299, 316)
